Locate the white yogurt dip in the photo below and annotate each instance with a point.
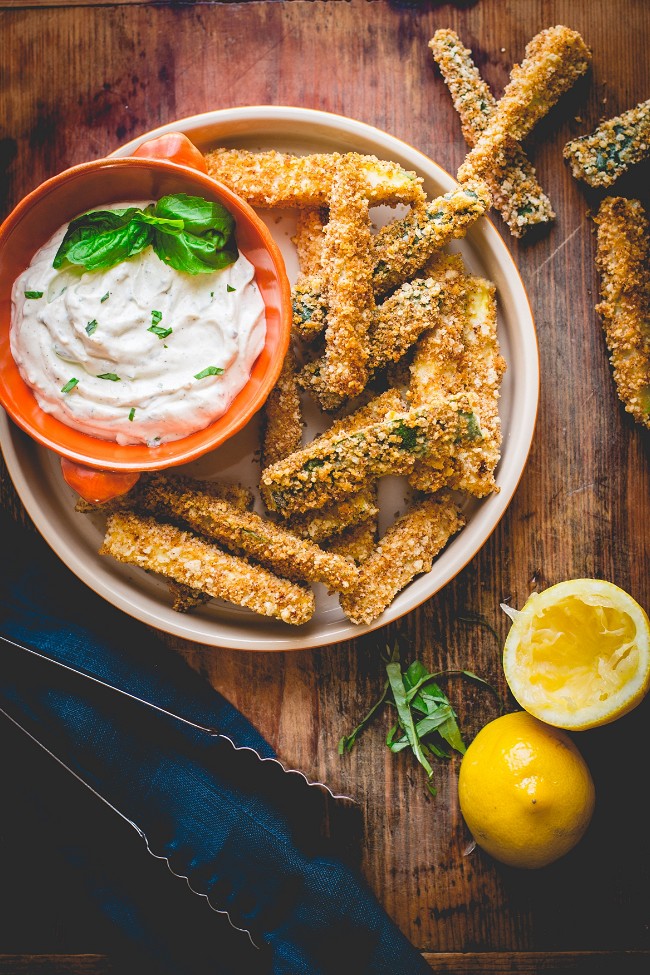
(136, 383)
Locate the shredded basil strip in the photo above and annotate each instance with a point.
(209, 371)
(162, 333)
(110, 375)
(33, 294)
(70, 385)
(230, 288)
(132, 413)
(91, 326)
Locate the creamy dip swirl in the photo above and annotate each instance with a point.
(86, 325)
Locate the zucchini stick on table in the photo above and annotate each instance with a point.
(555, 59)
(623, 257)
(620, 142)
(518, 197)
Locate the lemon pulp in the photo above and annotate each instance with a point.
(578, 654)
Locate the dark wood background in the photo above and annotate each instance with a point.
(80, 78)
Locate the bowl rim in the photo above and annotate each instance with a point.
(199, 442)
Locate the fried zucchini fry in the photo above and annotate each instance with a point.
(623, 258)
(396, 325)
(181, 556)
(246, 532)
(276, 179)
(283, 421)
(356, 542)
(518, 197)
(334, 518)
(555, 59)
(333, 466)
(463, 356)
(400, 250)
(600, 158)
(347, 270)
(407, 549)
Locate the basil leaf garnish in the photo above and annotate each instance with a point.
(187, 232)
(70, 385)
(209, 371)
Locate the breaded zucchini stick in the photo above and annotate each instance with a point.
(407, 549)
(404, 246)
(518, 197)
(334, 518)
(347, 270)
(246, 532)
(308, 240)
(276, 179)
(235, 494)
(623, 258)
(179, 555)
(356, 542)
(396, 324)
(555, 59)
(620, 142)
(283, 421)
(333, 466)
(400, 250)
(464, 356)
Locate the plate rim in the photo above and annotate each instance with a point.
(180, 625)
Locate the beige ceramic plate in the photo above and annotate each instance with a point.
(76, 538)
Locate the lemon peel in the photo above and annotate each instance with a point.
(578, 654)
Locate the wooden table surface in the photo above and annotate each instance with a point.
(78, 79)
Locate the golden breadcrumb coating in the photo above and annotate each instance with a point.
(308, 240)
(283, 421)
(237, 495)
(600, 158)
(179, 555)
(463, 356)
(623, 258)
(184, 598)
(276, 179)
(246, 532)
(403, 246)
(406, 550)
(347, 270)
(555, 59)
(335, 517)
(517, 196)
(335, 465)
(400, 250)
(356, 541)
(395, 325)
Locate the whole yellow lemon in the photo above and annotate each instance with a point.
(525, 791)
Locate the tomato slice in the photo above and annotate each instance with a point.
(97, 486)
(175, 147)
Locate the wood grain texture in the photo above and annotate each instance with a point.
(78, 81)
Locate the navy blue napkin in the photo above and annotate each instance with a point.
(212, 808)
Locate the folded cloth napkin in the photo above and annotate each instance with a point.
(194, 778)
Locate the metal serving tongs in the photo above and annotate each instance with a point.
(223, 818)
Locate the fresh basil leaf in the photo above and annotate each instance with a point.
(347, 742)
(104, 250)
(88, 226)
(193, 255)
(198, 215)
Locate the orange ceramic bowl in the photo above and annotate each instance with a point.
(146, 176)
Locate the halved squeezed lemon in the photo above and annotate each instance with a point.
(578, 654)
